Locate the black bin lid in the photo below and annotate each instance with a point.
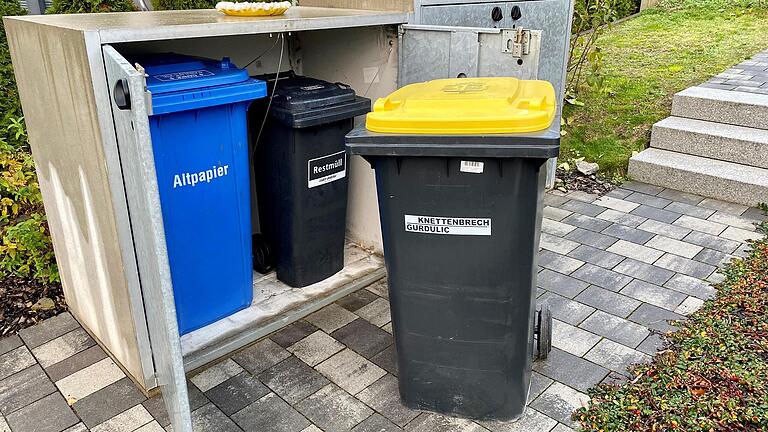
(301, 101)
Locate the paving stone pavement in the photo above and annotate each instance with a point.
(749, 76)
(614, 270)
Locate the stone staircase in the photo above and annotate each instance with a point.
(715, 144)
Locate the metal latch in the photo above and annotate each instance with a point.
(516, 42)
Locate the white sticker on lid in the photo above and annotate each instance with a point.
(179, 76)
(472, 167)
(448, 225)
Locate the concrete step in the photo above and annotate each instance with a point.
(738, 144)
(725, 181)
(722, 106)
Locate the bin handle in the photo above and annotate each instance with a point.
(122, 94)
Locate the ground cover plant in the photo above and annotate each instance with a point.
(714, 374)
(647, 59)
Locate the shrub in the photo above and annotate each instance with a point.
(90, 6)
(192, 4)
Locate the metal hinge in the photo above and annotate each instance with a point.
(516, 42)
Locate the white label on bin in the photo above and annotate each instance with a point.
(191, 179)
(178, 76)
(327, 169)
(472, 167)
(448, 225)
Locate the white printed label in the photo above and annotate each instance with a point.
(191, 179)
(326, 169)
(178, 76)
(448, 225)
(472, 167)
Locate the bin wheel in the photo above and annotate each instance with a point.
(263, 261)
(543, 332)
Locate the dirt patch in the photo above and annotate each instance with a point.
(24, 302)
(574, 180)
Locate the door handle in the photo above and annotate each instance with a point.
(122, 94)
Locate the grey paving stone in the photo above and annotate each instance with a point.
(560, 401)
(9, 343)
(384, 397)
(562, 428)
(635, 251)
(716, 277)
(555, 213)
(49, 414)
(530, 421)
(654, 294)
(556, 228)
(756, 214)
(619, 193)
(733, 220)
(15, 361)
(80, 427)
(741, 235)
(572, 339)
(596, 256)
(642, 187)
(350, 371)
(432, 422)
(723, 206)
(652, 344)
(557, 244)
(331, 318)
(237, 392)
(267, 353)
(216, 374)
(565, 309)
(156, 405)
(712, 242)
(316, 347)
(293, 333)
(387, 360)
(582, 207)
(208, 418)
(691, 286)
(270, 413)
(690, 210)
(47, 330)
(655, 317)
(333, 409)
(680, 196)
(713, 257)
(581, 196)
(615, 356)
(571, 370)
(673, 246)
(63, 347)
(615, 328)
(75, 363)
(108, 402)
(559, 263)
(376, 423)
(553, 200)
(644, 272)
(356, 300)
(689, 306)
(700, 225)
(615, 379)
(380, 288)
(591, 238)
(665, 229)
(376, 312)
(622, 218)
(23, 388)
(560, 283)
(608, 301)
(627, 233)
(587, 222)
(363, 337)
(683, 265)
(656, 213)
(539, 383)
(292, 379)
(653, 201)
(601, 277)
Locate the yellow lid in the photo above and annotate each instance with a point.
(465, 106)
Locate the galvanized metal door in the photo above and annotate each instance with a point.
(130, 111)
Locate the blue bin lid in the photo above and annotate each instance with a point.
(180, 83)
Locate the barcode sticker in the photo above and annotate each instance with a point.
(472, 167)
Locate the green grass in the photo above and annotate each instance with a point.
(714, 374)
(647, 60)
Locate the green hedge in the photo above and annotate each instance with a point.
(90, 6)
(584, 10)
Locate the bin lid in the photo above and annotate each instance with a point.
(466, 106)
(180, 83)
(301, 102)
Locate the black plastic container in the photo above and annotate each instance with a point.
(460, 218)
(301, 172)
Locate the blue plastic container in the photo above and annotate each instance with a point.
(200, 141)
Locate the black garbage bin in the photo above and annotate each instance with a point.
(460, 179)
(300, 167)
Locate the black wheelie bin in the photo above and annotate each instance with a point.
(460, 176)
(300, 167)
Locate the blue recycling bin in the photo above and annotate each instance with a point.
(200, 141)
